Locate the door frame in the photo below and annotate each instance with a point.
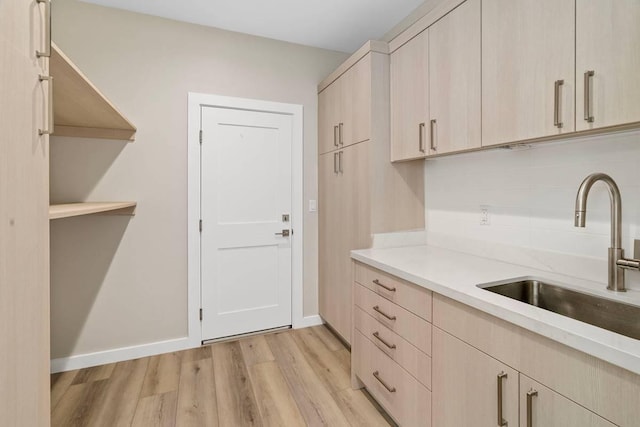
(196, 102)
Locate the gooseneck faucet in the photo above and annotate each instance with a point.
(617, 262)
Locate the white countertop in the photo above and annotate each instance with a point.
(456, 274)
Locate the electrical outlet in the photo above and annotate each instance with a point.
(484, 215)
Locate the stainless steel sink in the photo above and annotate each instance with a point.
(601, 312)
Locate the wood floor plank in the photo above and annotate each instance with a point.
(359, 410)
(163, 374)
(94, 373)
(256, 350)
(315, 402)
(327, 337)
(234, 393)
(78, 404)
(277, 405)
(326, 364)
(118, 403)
(60, 382)
(158, 410)
(194, 354)
(197, 405)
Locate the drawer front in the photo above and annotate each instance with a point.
(409, 403)
(407, 295)
(393, 345)
(414, 329)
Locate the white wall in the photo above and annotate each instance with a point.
(530, 194)
(119, 281)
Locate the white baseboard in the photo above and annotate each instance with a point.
(118, 355)
(309, 321)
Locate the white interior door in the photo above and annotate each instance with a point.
(246, 192)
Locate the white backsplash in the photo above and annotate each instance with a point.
(530, 195)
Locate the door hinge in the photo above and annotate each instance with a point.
(201, 315)
(200, 225)
(200, 136)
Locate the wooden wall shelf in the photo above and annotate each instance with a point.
(79, 109)
(104, 208)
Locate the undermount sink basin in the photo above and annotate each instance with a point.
(604, 313)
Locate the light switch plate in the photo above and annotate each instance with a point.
(313, 205)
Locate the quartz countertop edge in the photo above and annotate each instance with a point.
(456, 275)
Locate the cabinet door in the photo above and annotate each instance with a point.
(356, 103)
(607, 43)
(24, 220)
(329, 235)
(465, 385)
(410, 99)
(550, 409)
(527, 46)
(454, 76)
(329, 109)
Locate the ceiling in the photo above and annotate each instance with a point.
(342, 25)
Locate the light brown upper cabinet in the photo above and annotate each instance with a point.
(528, 69)
(344, 109)
(454, 80)
(410, 99)
(607, 63)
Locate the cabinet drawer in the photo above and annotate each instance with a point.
(407, 295)
(404, 323)
(410, 402)
(393, 345)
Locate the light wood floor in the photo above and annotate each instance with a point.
(292, 378)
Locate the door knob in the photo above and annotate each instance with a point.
(284, 233)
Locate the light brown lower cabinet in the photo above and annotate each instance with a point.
(472, 388)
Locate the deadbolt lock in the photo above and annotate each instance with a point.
(285, 217)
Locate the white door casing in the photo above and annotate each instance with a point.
(197, 103)
(245, 194)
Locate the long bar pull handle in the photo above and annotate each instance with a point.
(377, 308)
(432, 135)
(376, 335)
(530, 394)
(557, 119)
(383, 286)
(335, 163)
(501, 421)
(335, 136)
(340, 162)
(376, 374)
(47, 30)
(588, 115)
(421, 138)
(50, 125)
(340, 134)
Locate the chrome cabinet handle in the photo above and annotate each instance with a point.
(335, 137)
(588, 115)
(50, 125)
(530, 394)
(340, 162)
(47, 30)
(501, 421)
(340, 138)
(432, 135)
(421, 137)
(376, 335)
(376, 375)
(377, 308)
(557, 120)
(335, 163)
(377, 282)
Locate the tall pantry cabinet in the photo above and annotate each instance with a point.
(360, 192)
(24, 221)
